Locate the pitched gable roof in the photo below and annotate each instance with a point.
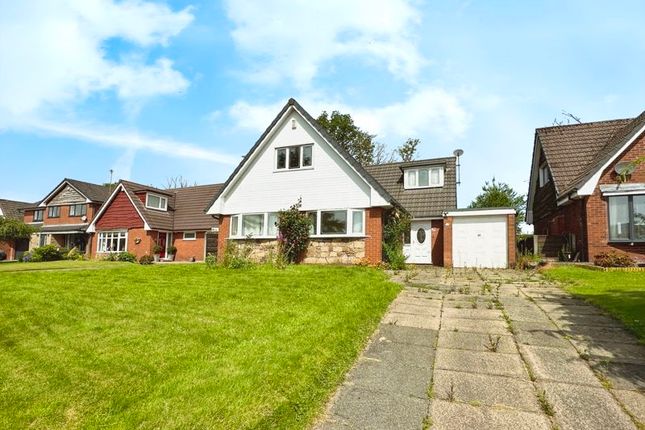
(13, 209)
(419, 202)
(189, 207)
(575, 152)
(154, 219)
(93, 192)
(292, 103)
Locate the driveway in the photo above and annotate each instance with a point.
(485, 349)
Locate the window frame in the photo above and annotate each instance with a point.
(544, 175)
(194, 233)
(630, 213)
(51, 209)
(103, 237)
(75, 206)
(414, 171)
(161, 199)
(42, 215)
(287, 160)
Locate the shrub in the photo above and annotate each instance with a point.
(126, 257)
(528, 261)
(293, 232)
(26, 257)
(146, 259)
(47, 253)
(172, 249)
(613, 259)
(211, 260)
(75, 254)
(111, 256)
(394, 256)
(237, 257)
(157, 249)
(397, 224)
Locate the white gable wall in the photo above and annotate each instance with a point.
(330, 184)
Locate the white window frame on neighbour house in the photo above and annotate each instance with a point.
(162, 199)
(543, 175)
(40, 216)
(53, 212)
(412, 177)
(105, 237)
(79, 209)
(630, 227)
(287, 157)
(190, 235)
(354, 224)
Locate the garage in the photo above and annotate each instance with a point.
(481, 238)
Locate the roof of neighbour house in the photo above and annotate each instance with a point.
(13, 209)
(189, 207)
(575, 152)
(94, 192)
(185, 206)
(351, 160)
(64, 228)
(419, 202)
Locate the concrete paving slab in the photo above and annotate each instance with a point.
(580, 407)
(391, 376)
(418, 308)
(473, 313)
(460, 416)
(622, 376)
(457, 303)
(556, 364)
(422, 301)
(391, 352)
(535, 325)
(365, 409)
(613, 351)
(475, 341)
(634, 402)
(486, 390)
(476, 326)
(491, 363)
(550, 338)
(410, 320)
(598, 334)
(412, 335)
(577, 309)
(566, 319)
(526, 313)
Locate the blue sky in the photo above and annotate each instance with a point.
(162, 89)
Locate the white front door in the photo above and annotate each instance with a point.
(420, 243)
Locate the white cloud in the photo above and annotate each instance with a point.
(429, 113)
(293, 39)
(53, 53)
(131, 140)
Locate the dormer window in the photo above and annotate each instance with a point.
(154, 201)
(423, 177)
(544, 175)
(294, 157)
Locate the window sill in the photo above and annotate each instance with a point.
(422, 188)
(626, 241)
(292, 170)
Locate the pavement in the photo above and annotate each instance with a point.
(492, 349)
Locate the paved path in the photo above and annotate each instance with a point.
(492, 350)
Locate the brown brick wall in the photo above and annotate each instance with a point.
(437, 242)
(447, 241)
(374, 233)
(512, 246)
(188, 249)
(597, 209)
(222, 238)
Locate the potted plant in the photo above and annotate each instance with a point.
(156, 252)
(172, 250)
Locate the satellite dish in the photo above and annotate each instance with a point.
(458, 152)
(83, 218)
(625, 168)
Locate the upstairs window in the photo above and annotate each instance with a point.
(154, 201)
(627, 218)
(294, 157)
(38, 215)
(53, 212)
(78, 210)
(544, 175)
(423, 177)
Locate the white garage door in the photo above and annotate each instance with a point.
(479, 241)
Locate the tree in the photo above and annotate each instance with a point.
(496, 195)
(178, 182)
(357, 142)
(13, 229)
(381, 154)
(408, 150)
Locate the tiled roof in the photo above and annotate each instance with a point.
(574, 152)
(421, 202)
(95, 192)
(12, 209)
(156, 219)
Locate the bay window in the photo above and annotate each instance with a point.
(627, 218)
(333, 222)
(112, 241)
(253, 225)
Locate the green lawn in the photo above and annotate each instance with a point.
(622, 294)
(15, 266)
(180, 346)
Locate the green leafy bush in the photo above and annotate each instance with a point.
(75, 254)
(146, 259)
(394, 256)
(397, 224)
(211, 260)
(293, 232)
(613, 259)
(156, 249)
(237, 257)
(172, 249)
(47, 253)
(126, 257)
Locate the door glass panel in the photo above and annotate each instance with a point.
(421, 235)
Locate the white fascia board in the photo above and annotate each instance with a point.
(588, 187)
(481, 212)
(622, 189)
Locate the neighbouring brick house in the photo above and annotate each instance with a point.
(65, 213)
(137, 217)
(296, 159)
(577, 201)
(13, 210)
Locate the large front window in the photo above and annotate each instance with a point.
(253, 225)
(627, 218)
(112, 241)
(333, 222)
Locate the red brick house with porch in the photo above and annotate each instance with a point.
(12, 209)
(578, 201)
